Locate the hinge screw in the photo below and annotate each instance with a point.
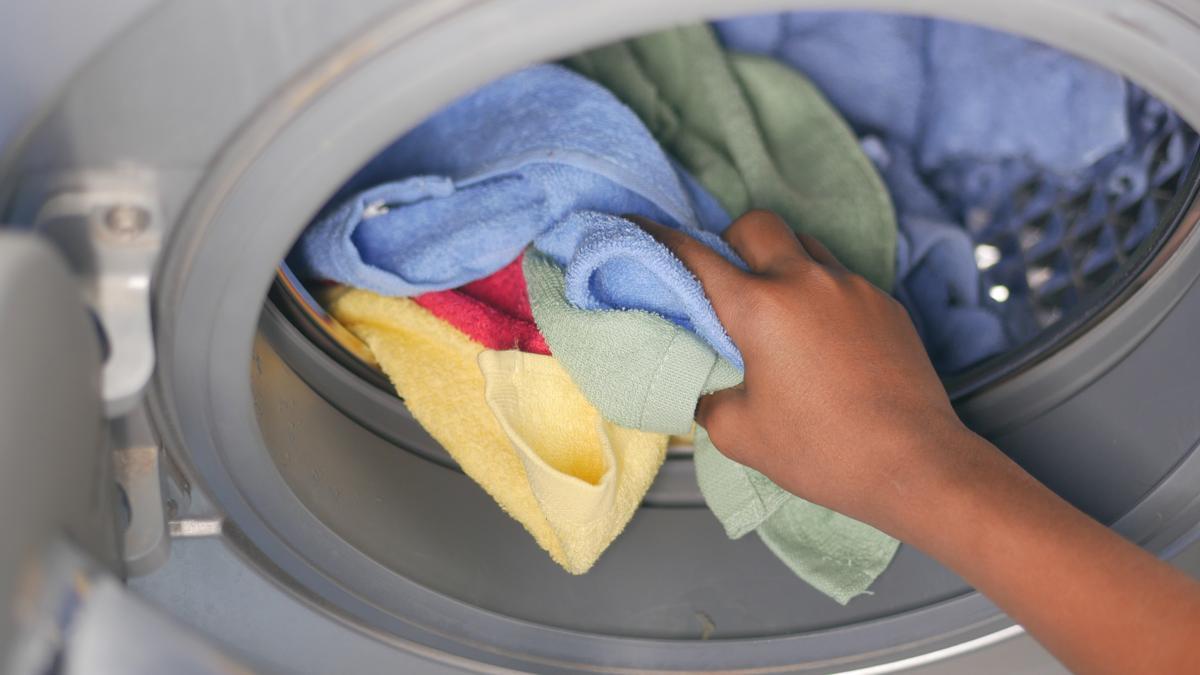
(126, 221)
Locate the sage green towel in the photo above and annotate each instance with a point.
(642, 371)
(756, 134)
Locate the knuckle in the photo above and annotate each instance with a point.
(859, 286)
(759, 216)
(774, 297)
(755, 222)
(818, 278)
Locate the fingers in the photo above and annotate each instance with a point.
(723, 283)
(720, 414)
(819, 253)
(764, 241)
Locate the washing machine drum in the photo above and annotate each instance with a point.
(233, 124)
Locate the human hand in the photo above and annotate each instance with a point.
(840, 404)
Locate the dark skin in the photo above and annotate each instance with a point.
(871, 433)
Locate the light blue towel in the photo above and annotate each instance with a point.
(484, 177)
(949, 90)
(539, 156)
(994, 95)
(865, 63)
(614, 264)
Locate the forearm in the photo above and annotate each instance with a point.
(1096, 601)
(841, 406)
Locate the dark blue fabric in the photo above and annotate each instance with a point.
(1055, 168)
(950, 91)
(1064, 234)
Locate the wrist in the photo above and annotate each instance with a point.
(950, 499)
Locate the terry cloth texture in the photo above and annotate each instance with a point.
(645, 372)
(948, 90)
(515, 423)
(779, 143)
(541, 156)
(757, 134)
(612, 263)
(493, 311)
(472, 186)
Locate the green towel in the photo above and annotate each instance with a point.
(644, 372)
(757, 134)
(638, 369)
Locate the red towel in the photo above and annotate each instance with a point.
(493, 311)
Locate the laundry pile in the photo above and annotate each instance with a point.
(552, 346)
(1057, 168)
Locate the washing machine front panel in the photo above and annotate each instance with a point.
(52, 465)
(248, 130)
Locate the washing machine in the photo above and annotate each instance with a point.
(194, 479)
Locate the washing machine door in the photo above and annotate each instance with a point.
(64, 608)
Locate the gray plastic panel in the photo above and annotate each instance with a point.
(70, 31)
(55, 472)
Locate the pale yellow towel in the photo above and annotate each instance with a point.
(532, 442)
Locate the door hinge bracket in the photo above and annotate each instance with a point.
(109, 226)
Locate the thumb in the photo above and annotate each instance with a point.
(722, 414)
(723, 283)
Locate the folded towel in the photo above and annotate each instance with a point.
(482, 178)
(493, 311)
(757, 135)
(533, 157)
(949, 90)
(588, 474)
(644, 372)
(516, 425)
(637, 368)
(616, 265)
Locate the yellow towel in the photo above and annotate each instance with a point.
(515, 423)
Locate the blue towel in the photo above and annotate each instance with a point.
(610, 263)
(936, 275)
(949, 90)
(866, 63)
(996, 95)
(536, 157)
(940, 288)
(540, 157)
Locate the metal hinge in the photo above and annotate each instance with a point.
(109, 226)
